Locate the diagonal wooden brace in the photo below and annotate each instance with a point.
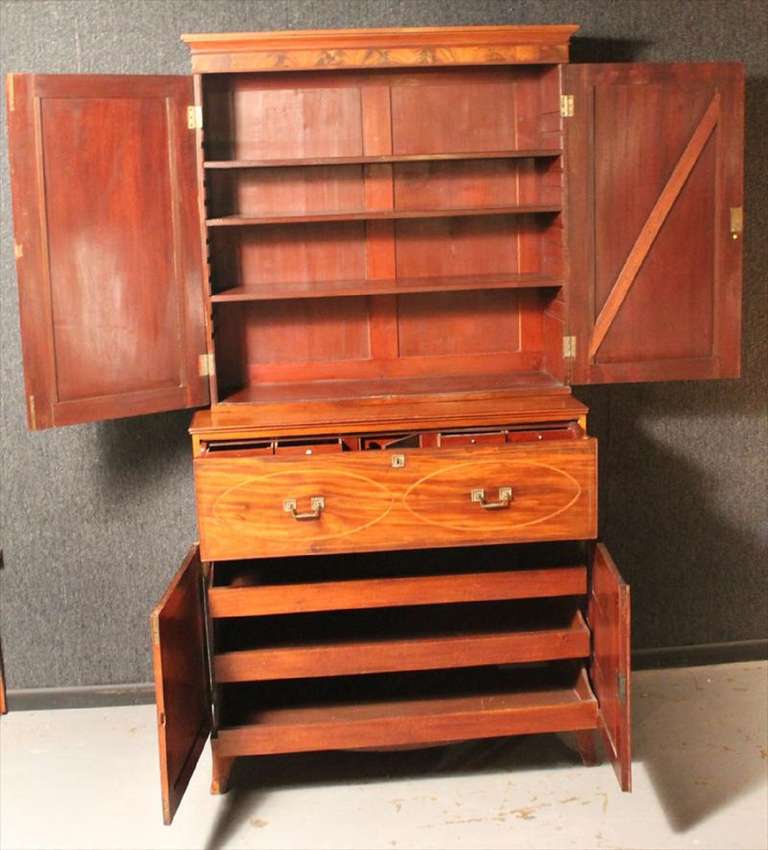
(653, 224)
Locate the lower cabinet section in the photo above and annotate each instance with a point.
(381, 650)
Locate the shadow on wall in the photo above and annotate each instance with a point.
(667, 514)
(140, 454)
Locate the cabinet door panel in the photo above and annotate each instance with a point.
(654, 170)
(609, 619)
(107, 244)
(182, 689)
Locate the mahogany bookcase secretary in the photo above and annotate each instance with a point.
(379, 259)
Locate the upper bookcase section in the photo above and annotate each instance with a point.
(415, 47)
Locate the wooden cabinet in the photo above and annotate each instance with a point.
(380, 258)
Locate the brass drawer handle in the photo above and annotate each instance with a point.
(316, 503)
(505, 497)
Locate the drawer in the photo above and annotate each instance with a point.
(251, 507)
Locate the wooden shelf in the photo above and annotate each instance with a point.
(325, 723)
(248, 598)
(342, 288)
(358, 657)
(222, 164)
(377, 215)
(525, 383)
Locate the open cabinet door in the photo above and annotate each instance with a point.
(654, 165)
(107, 243)
(609, 619)
(182, 687)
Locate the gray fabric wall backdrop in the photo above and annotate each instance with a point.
(95, 519)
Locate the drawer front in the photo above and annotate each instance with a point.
(250, 507)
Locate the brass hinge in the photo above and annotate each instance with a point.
(154, 626)
(206, 365)
(569, 347)
(195, 117)
(621, 686)
(32, 413)
(566, 105)
(18, 250)
(10, 93)
(737, 221)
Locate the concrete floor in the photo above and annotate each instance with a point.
(88, 778)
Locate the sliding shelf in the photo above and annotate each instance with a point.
(377, 215)
(301, 719)
(341, 288)
(220, 164)
(248, 598)
(400, 638)
(350, 657)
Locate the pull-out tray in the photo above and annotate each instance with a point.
(397, 639)
(252, 589)
(400, 710)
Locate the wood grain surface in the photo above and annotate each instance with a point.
(609, 618)
(655, 165)
(369, 503)
(107, 245)
(355, 657)
(425, 720)
(182, 689)
(382, 48)
(261, 600)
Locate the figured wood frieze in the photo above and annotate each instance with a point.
(378, 48)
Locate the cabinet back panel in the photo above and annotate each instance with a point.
(270, 191)
(433, 111)
(306, 331)
(677, 277)
(338, 251)
(472, 183)
(432, 334)
(439, 323)
(255, 122)
(108, 251)
(467, 246)
(473, 113)
(274, 253)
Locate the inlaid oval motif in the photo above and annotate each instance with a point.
(539, 493)
(254, 507)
